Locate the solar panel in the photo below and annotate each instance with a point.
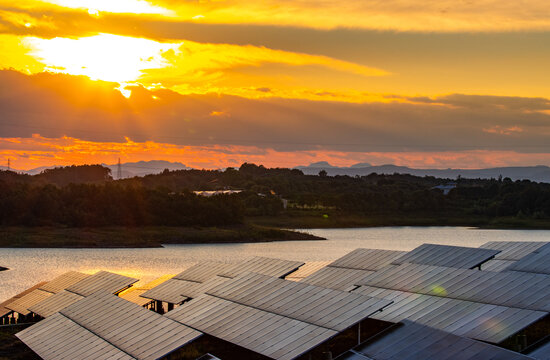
(367, 259)
(485, 322)
(63, 281)
(446, 255)
(497, 265)
(343, 273)
(513, 250)
(203, 271)
(4, 310)
(169, 291)
(513, 289)
(328, 308)
(536, 262)
(176, 291)
(59, 338)
(134, 293)
(541, 353)
(262, 265)
(409, 340)
(22, 304)
(55, 303)
(306, 270)
(336, 278)
(102, 280)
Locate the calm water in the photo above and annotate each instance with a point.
(29, 266)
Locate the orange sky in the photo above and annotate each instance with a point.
(213, 84)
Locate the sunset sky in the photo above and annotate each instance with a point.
(215, 83)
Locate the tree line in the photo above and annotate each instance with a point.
(94, 199)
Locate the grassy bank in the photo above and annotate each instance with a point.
(332, 219)
(116, 237)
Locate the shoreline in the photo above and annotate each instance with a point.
(146, 237)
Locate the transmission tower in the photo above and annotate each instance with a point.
(119, 170)
(9, 169)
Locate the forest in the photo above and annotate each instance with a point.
(86, 196)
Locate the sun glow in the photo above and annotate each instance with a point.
(101, 57)
(116, 6)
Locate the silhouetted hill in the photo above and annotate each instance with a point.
(534, 173)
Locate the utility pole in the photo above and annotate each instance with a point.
(9, 169)
(119, 170)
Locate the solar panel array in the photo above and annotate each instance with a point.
(102, 280)
(329, 308)
(514, 289)
(198, 278)
(278, 318)
(409, 340)
(130, 328)
(343, 273)
(485, 322)
(446, 255)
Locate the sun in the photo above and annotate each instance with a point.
(105, 57)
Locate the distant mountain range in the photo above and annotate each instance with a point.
(130, 169)
(538, 173)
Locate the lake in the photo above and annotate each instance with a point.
(29, 266)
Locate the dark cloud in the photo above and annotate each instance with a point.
(57, 105)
